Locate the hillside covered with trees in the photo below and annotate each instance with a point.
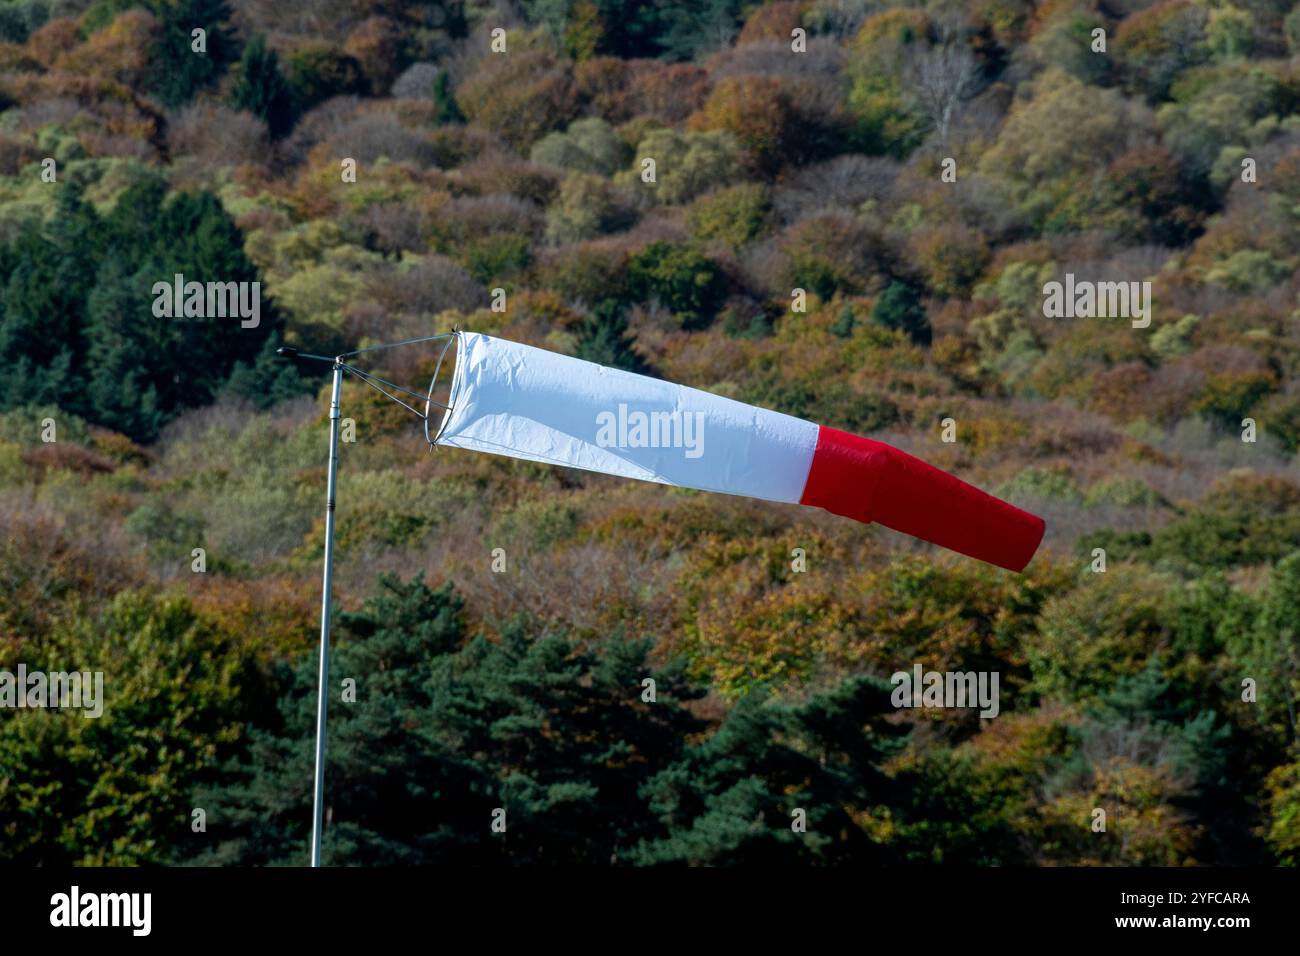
(852, 211)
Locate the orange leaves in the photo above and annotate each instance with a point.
(750, 619)
(377, 43)
(782, 636)
(772, 22)
(520, 95)
(271, 615)
(51, 41)
(952, 257)
(1143, 826)
(757, 111)
(121, 51)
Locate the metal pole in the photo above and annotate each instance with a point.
(318, 802)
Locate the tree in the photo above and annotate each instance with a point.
(732, 800)
(756, 110)
(444, 730)
(586, 206)
(77, 314)
(945, 76)
(316, 72)
(899, 307)
(261, 89)
(522, 96)
(46, 277)
(1272, 651)
(1153, 46)
(844, 322)
(114, 791)
(179, 70)
(686, 282)
(673, 30)
(118, 388)
(1283, 827)
(603, 338)
(589, 145)
(1060, 138)
(380, 45)
(446, 110)
(686, 164)
(691, 28)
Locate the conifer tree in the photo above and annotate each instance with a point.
(180, 70)
(261, 89)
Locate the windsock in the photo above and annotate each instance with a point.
(525, 402)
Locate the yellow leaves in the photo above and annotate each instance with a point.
(120, 52)
(119, 447)
(782, 635)
(751, 620)
(319, 190)
(991, 435)
(1282, 831)
(1143, 827)
(1065, 129)
(585, 31)
(272, 615)
(548, 310)
(1018, 744)
(686, 164)
(772, 22)
(55, 38)
(892, 27)
(522, 94)
(747, 617)
(754, 109)
(13, 469)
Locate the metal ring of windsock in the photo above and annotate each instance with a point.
(525, 402)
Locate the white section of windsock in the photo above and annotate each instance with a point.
(526, 402)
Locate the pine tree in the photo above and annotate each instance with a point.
(443, 731)
(118, 361)
(77, 325)
(899, 307)
(603, 338)
(261, 89)
(179, 70)
(844, 322)
(733, 799)
(45, 280)
(446, 109)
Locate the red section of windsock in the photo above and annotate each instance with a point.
(871, 481)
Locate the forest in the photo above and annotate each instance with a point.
(851, 214)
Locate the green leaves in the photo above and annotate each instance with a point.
(735, 798)
(77, 309)
(561, 737)
(261, 88)
(899, 308)
(686, 282)
(114, 790)
(444, 730)
(179, 69)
